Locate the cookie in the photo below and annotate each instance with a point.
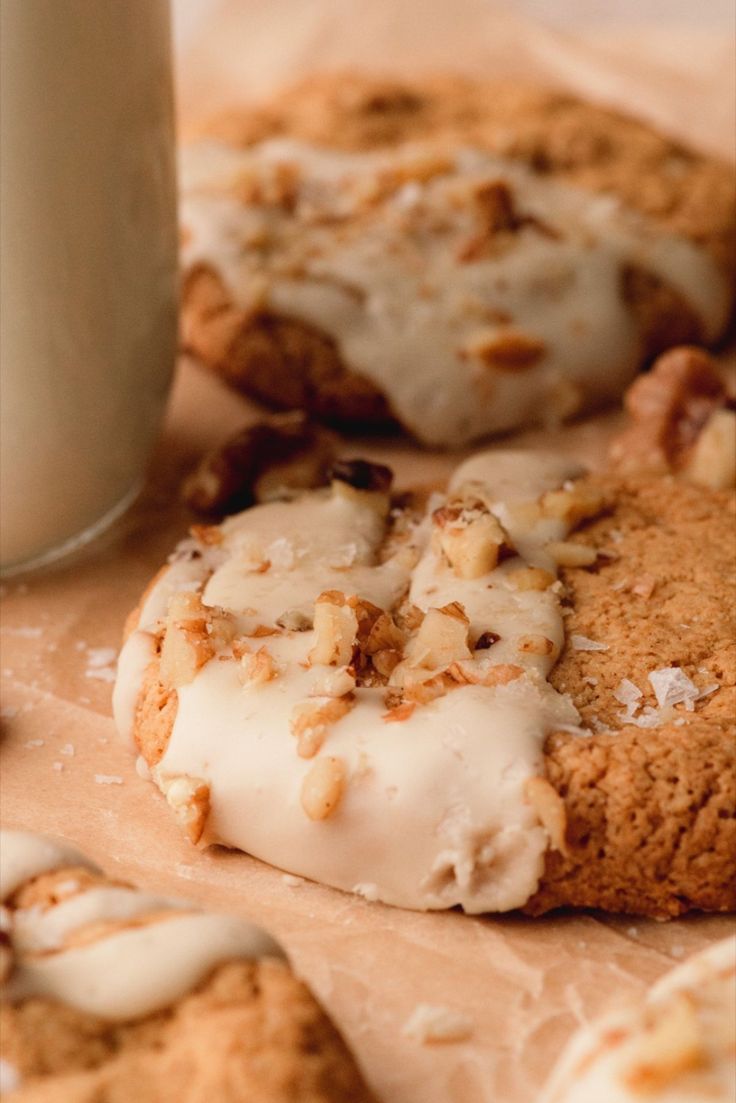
(677, 1045)
(461, 258)
(110, 993)
(527, 679)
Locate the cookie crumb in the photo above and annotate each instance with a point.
(108, 779)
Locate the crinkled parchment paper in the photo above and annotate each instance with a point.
(524, 984)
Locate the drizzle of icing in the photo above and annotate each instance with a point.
(149, 951)
(434, 812)
(676, 1047)
(377, 269)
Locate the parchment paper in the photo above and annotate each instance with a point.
(525, 984)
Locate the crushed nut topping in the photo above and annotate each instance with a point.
(335, 628)
(530, 578)
(189, 799)
(311, 721)
(262, 461)
(573, 504)
(441, 639)
(257, 668)
(323, 788)
(506, 350)
(471, 537)
(192, 633)
(567, 554)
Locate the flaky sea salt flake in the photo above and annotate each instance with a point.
(583, 643)
(672, 686)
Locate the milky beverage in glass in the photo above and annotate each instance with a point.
(88, 273)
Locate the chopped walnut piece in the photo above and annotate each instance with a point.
(471, 537)
(323, 787)
(311, 720)
(567, 554)
(441, 639)
(189, 799)
(386, 661)
(671, 1046)
(497, 214)
(336, 629)
(506, 350)
(409, 617)
(192, 632)
(530, 578)
(257, 668)
(668, 410)
(550, 808)
(284, 451)
(384, 635)
(336, 683)
(712, 461)
(420, 690)
(574, 504)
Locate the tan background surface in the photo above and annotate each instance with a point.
(525, 984)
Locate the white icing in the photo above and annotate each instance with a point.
(142, 969)
(434, 812)
(383, 278)
(24, 855)
(156, 951)
(598, 1061)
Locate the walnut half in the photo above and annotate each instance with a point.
(261, 462)
(672, 410)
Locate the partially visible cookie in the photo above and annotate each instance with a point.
(463, 258)
(677, 1046)
(529, 679)
(111, 994)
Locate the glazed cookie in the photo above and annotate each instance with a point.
(318, 678)
(677, 1046)
(110, 993)
(462, 258)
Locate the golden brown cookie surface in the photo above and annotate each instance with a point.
(651, 806)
